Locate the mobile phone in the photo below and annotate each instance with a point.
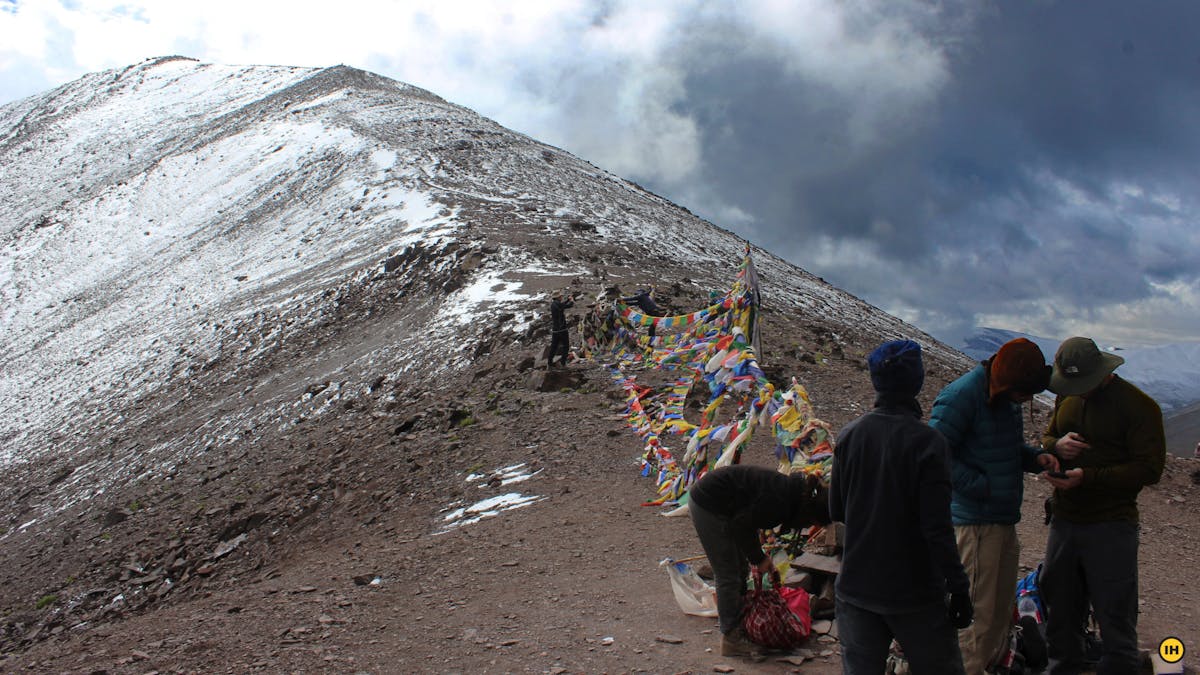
(1057, 474)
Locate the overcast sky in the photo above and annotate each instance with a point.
(1027, 165)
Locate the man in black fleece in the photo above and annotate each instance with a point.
(560, 342)
(728, 507)
(901, 576)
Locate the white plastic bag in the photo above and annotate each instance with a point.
(692, 593)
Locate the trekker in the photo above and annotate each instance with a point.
(644, 300)
(890, 484)
(560, 341)
(980, 416)
(1109, 438)
(729, 506)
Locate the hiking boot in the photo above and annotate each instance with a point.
(737, 643)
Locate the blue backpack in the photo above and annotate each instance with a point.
(1029, 597)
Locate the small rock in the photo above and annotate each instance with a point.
(669, 639)
(723, 669)
(607, 642)
(822, 627)
(227, 547)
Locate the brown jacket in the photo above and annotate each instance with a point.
(1128, 450)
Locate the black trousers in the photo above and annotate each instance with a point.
(729, 564)
(1096, 564)
(559, 342)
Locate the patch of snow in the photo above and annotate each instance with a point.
(487, 508)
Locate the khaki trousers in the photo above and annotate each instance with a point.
(990, 554)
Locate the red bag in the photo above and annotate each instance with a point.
(768, 621)
(799, 602)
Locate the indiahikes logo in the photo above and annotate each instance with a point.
(1171, 650)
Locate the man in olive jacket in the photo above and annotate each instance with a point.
(1109, 437)
(980, 416)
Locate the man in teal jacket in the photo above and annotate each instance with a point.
(980, 416)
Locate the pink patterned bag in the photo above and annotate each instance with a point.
(768, 621)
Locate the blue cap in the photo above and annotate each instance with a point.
(896, 368)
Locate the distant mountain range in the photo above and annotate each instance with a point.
(1170, 373)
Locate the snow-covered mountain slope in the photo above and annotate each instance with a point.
(1169, 373)
(175, 221)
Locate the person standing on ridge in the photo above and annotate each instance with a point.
(890, 484)
(980, 416)
(560, 341)
(1108, 436)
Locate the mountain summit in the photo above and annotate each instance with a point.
(174, 220)
(266, 330)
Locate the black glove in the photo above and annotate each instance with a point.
(960, 611)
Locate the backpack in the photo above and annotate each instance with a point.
(1030, 618)
(1029, 597)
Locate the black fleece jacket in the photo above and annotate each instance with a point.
(558, 314)
(754, 498)
(890, 485)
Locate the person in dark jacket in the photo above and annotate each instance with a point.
(644, 300)
(890, 484)
(1108, 435)
(729, 506)
(980, 416)
(560, 341)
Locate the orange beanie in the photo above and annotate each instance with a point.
(1018, 366)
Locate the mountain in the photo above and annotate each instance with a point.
(1169, 373)
(272, 394)
(1183, 430)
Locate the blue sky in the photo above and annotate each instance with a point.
(1024, 165)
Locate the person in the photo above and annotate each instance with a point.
(979, 414)
(560, 341)
(1108, 436)
(729, 505)
(644, 300)
(890, 484)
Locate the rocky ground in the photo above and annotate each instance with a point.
(326, 547)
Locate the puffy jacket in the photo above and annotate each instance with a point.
(987, 449)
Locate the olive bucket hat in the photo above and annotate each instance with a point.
(1080, 366)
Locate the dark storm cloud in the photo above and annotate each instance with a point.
(1056, 163)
